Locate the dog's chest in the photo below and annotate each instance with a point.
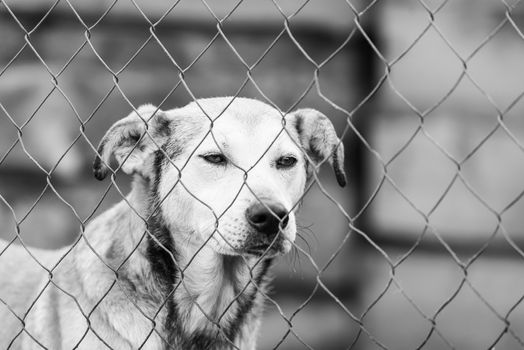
(212, 292)
(216, 303)
(207, 304)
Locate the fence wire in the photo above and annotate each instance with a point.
(355, 127)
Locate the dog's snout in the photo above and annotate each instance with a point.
(267, 218)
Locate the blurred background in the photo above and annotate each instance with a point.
(424, 249)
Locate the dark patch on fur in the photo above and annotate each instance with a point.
(338, 168)
(174, 149)
(100, 169)
(299, 125)
(133, 137)
(166, 275)
(160, 256)
(158, 163)
(162, 125)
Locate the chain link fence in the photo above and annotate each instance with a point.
(424, 248)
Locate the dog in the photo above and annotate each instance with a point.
(182, 261)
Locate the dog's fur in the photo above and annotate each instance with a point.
(176, 264)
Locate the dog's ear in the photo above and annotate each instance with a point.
(319, 139)
(132, 140)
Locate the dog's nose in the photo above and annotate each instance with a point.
(266, 217)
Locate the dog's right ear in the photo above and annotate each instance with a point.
(132, 140)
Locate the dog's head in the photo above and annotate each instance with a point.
(227, 172)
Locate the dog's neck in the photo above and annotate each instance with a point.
(210, 298)
(215, 290)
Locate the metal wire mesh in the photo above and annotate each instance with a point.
(375, 223)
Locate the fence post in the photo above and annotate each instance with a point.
(358, 165)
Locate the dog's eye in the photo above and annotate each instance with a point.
(286, 162)
(215, 158)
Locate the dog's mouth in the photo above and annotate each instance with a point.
(268, 249)
(259, 249)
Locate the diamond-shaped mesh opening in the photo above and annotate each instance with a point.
(201, 205)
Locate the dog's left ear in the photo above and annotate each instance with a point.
(132, 140)
(319, 139)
